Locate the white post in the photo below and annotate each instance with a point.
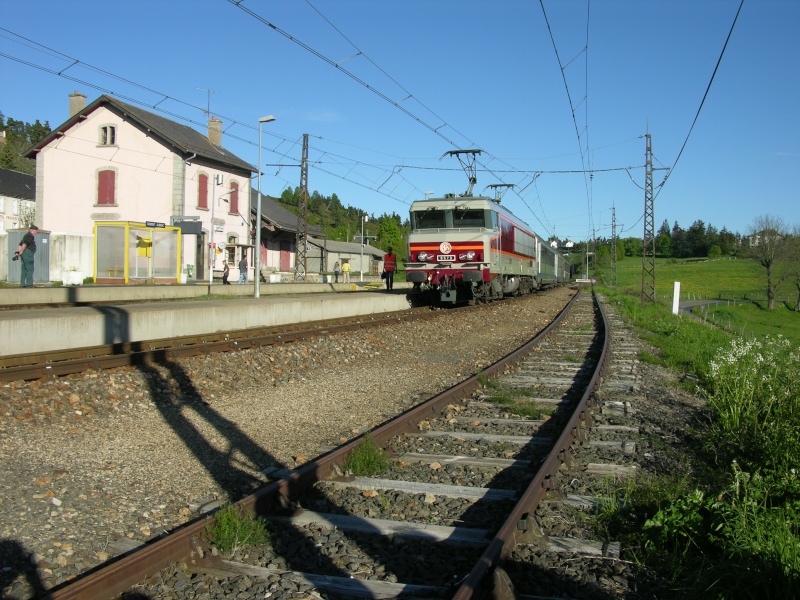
(364, 220)
(676, 298)
(257, 253)
(211, 236)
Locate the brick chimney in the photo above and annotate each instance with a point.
(215, 131)
(77, 102)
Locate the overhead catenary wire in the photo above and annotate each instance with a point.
(703, 101)
(351, 170)
(573, 109)
(374, 90)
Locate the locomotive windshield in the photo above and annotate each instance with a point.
(458, 218)
(429, 219)
(468, 218)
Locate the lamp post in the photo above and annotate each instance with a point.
(217, 181)
(257, 253)
(364, 220)
(427, 194)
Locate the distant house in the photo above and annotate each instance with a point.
(113, 161)
(564, 246)
(323, 254)
(17, 199)
(278, 234)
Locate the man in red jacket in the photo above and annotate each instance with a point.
(389, 266)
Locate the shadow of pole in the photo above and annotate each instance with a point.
(16, 561)
(116, 326)
(176, 397)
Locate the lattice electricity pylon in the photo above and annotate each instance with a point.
(301, 242)
(649, 238)
(468, 164)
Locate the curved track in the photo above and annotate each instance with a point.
(511, 459)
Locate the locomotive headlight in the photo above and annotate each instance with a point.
(470, 255)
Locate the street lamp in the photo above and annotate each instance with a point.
(257, 253)
(217, 181)
(427, 194)
(364, 220)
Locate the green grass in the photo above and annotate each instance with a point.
(729, 528)
(740, 283)
(700, 279)
(515, 399)
(752, 320)
(685, 344)
(233, 529)
(366, 459)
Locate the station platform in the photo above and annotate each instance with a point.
(32, 329)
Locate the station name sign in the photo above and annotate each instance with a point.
(154, 224)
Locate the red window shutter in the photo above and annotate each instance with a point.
(235, 197)
(106, 187)
(202, 191)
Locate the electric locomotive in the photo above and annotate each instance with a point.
(470, 248)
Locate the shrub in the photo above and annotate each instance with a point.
(233, 529)
(753, 390)
(367, 458)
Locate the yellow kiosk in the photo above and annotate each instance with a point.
(133, 252)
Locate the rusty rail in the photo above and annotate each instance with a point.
(64, 362)
(119, 576)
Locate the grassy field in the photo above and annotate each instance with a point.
(721, 279)
(727, 525)
(740, 283)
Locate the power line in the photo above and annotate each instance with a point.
(573, 110)
(705, 95)
(374, 90)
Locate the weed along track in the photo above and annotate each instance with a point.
(430, 504)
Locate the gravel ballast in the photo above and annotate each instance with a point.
(90, 459)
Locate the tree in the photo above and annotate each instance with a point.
(680, 245)
(390, 233)
(696, 239)
(793, 264)
(602, 258)
(770, 246)
(727, 242)
(19, 136)
(663, 245)
(633, 246)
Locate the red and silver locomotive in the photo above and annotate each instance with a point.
(469, 248)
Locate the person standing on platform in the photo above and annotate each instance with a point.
(243, 270)
(346, 271)
(336, 270)
(26, 250)
(226, 270)
(389, 267)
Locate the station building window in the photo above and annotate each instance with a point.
(106, 187)
(107, 135)
(234, 201)
(202, 191)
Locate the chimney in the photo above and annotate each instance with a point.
(77, 102)
(215, 131)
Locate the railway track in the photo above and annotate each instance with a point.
(40, 365)
(467, 474)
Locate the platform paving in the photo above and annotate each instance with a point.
(46, 329)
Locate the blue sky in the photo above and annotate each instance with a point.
(385, 88)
